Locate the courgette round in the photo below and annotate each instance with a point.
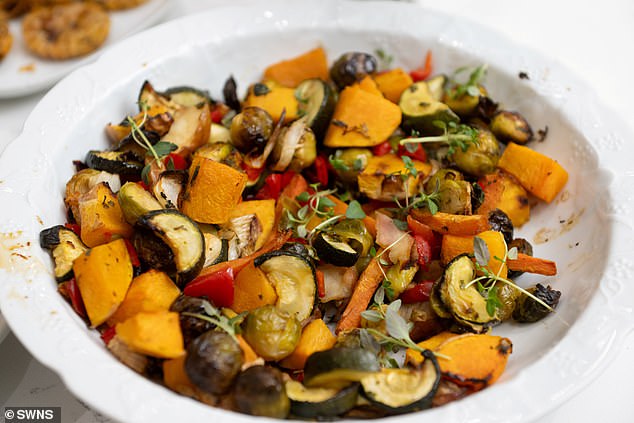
(119, 162)
(400, 391)
(65, 247)
(135, 201)
(421, 111)
(187, 96)
(461, 299)
(294, 280)
(339, 367)
(334, 250)
(320, 402)
(182, 236)
(316, 104)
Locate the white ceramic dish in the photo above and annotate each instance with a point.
(552, 359)
(23, 73)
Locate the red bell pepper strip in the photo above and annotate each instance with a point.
(321, 169)
(382, 149)
(216, 115)
(419, 154)
(74, 227)
(423, 248)
(134, 257)
(177, 161)
(432, 238)
(418, 293)
(217, 287)
(423, 73)
(74, 296)
(108, 334)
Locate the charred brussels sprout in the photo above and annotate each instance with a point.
(454, 193)
(528, 310)
(260, 391)
(500, 222)
(213, 361)
(481, 157)
(272, 333)
(251, 129)
(191, 327)
(511, 126)
(352, 67)
(349, 162)
(222, 152)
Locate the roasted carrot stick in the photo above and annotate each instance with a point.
(361, 296)
(526, 263)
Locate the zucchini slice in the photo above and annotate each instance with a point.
(320, 402)
(420, 110)
(338, 367)
(400, 391)
(149, 97)
(216, 247)
(294, 280)
(316, 104)
(65, 246)
(119, 162)
(466, 304)
(182, 236)
(187, 96)
(436, 86)
(135, 201)
(333, 249)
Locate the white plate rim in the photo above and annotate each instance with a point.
(608, 313)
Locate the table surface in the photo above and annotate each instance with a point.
(594, 40)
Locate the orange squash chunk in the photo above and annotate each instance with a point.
(274, 99)
(368, 84)
(101, 217)
(539, 174)
(315, 337)
(361, 119)
(414, 357)
(213, 190)
(392, 83)
(452, 224)
(103, 275)
(252, 289)
(156, 333)
(150, 291)
(312, 64)
(175, 377)
(250, 356)
(502, 191)
(453, 246)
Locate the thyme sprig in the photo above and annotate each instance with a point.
(316, 204)
(212, 315)
(470, 86)
(455, 135)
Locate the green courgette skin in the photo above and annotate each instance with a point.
(317, 103)
(121, 163)
(328, 251)
(343, 401)
(65, 247)
(350, 363)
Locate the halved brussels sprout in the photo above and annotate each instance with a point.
(511, 126)
(272, 333)
(481, 157)
(251, 129)
(260, 391)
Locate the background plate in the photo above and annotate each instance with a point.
(588, 229)
(15, 81)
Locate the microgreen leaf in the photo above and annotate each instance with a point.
(372, 315)
(325, 202)
(163, 148)
(379, 295)
(145, 174)
(512, 253)
(354, 210)
(303, 197)
(493, 301)
(396, 326)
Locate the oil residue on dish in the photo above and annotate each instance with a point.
(548, 234)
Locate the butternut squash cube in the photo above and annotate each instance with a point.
(361, 119)
(392, 83)
(213, 190)
(101, 217)
(274, 99)
(369, 85)
(540, 175)
(289, 73)
(150, 291)
(252, 289)
(502, 191)
(103, 275)
(315, 337)
(453, 245)
(157, 334)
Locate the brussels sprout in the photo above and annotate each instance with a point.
(352, 67)
(527, 310)
(349, 162)
(272, 333)
(481, 157)
(500, 222)
(251, 129)
(260, 391)
(454, 193)
(191, 327)
(507, 295)
(511, 126)
(213, 361)
(222, 152)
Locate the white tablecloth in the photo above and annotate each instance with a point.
(594, 39)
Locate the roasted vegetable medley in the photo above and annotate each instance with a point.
(269, 253)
